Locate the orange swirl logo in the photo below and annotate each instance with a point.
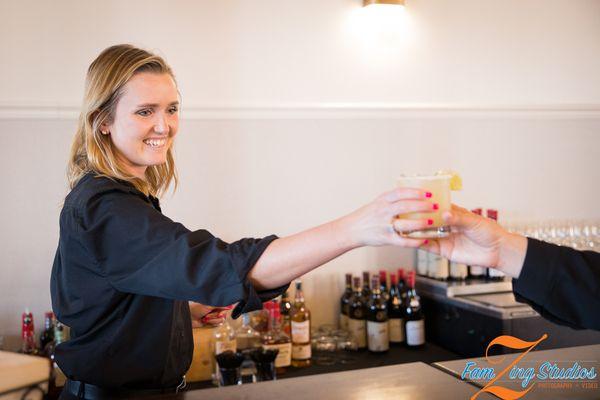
(512, 343)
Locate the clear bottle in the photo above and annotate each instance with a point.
(345, 303)
(245, 336)
(415, 319)
(357, 324)
(224, 338)
(301, 350)
(494, 274)
(275, 338)
(476, 272)
(378, 337)
(395, 313)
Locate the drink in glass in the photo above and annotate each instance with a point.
(439, 186)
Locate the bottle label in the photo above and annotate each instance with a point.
(477, 271)
(343, 322)
(301, 332)
(357, 328)
(494, 273)
(439, 267)
(301, 351)
(458, 270)
(379, 336)
(284, 357)
(422, 262)
(220, 347)
(396, 330)
(415, 333)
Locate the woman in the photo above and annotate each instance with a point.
(561, 283)
(124, 273)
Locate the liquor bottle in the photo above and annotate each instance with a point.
(285, 309)
(27, 334)
(422, 262)
(494, 274)
(383, 285)
(301, 351)
(438, 267)
(275, 338)
(395, 313)
(224, 338)
(345, 303)
(366, 290)
(378, 336)
(415, 320)
(476, 272)
(246, 337)
(402, 285)
(458, 271)
(356, 321)
(47, 336)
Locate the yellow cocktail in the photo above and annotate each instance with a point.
(439, 185)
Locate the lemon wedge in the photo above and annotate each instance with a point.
(455, 179)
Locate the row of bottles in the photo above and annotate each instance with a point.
(287, 330)
(438, 267)
(377, 316)
(52, 335)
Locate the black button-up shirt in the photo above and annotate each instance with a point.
(121, 279)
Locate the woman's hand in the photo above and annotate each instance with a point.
(378, 223)
(207, 315)
(480, 241)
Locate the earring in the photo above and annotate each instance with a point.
(105, 132)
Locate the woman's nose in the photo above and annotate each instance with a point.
(160, 125)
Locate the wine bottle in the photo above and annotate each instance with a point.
(378, 337)
(345, 303)
(301, 350)
(415, 320)
(275, 338)
(356, 321)
(366, 290)
(395, 313)
(383, 285)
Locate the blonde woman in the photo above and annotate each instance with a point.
(124, 272)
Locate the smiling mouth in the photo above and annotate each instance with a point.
(155, 142)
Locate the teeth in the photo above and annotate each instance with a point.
(155, 142)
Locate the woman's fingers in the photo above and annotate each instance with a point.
(411, 206)
(403, 193)
(407, 225)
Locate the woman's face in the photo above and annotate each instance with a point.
(145, 121)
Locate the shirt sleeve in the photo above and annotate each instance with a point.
(561, 283)
(139, 250)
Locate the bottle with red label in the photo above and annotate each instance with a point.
(27, 334)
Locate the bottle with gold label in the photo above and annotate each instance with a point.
(275, 338)
(301, 351)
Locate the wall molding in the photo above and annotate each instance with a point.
(330, 111)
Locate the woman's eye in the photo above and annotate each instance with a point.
(173, 110)
(144, 113)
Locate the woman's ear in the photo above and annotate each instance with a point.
(104, 128)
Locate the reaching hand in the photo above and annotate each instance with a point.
(378, 223)
(206, 315)
(480, 241)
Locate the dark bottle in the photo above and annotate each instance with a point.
(47, 336)
(395, 313)
(345, 303)
(415, 320)
(27, 334)
(378, 337)
(402, 285)
(476, 272)
(285, 309)
(357, 318)
(366, 290)
(383, 285)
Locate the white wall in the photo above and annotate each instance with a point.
(291, 119)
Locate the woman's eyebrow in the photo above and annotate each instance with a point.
(153, 105)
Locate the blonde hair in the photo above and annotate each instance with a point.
(91, 151)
